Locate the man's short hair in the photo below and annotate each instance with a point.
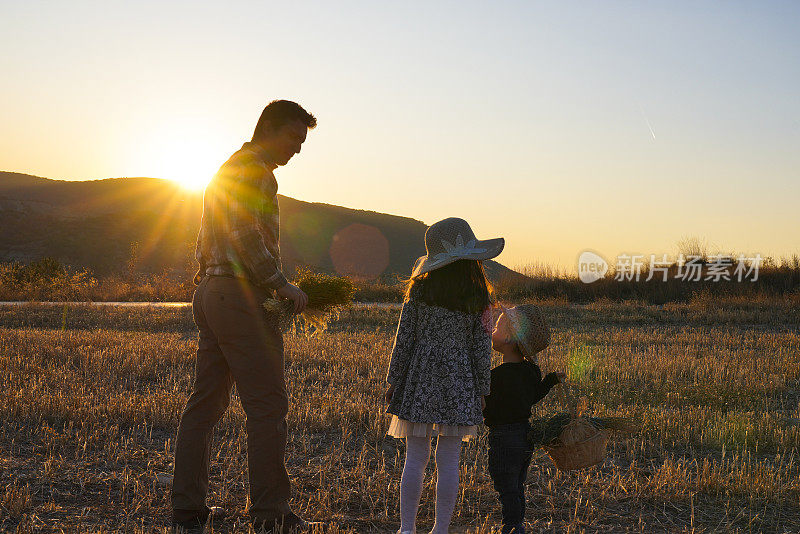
(279, 112)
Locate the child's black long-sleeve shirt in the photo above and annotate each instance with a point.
(515, 388)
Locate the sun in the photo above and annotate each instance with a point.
(186, 156)
(190, 174)
(191, 162)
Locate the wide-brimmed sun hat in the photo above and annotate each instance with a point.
(529, 329)
(451, 240)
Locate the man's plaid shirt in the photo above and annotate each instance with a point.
(239, 234)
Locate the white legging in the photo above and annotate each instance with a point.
(418, 451)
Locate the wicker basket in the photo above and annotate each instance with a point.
(580, 444)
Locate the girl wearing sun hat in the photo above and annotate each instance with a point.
(440, 364)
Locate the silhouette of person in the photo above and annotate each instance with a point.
(240, 266)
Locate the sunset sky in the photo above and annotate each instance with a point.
(611, 126)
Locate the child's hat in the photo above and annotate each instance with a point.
(529, 328)
(450, 240)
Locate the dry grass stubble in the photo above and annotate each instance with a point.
(90, 404)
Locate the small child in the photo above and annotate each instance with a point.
(516, 385)
(440, 365)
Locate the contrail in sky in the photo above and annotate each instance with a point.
(647, 121)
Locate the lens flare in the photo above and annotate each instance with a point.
(580, 363)
(360, 251)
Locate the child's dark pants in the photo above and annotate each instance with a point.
(509, 458)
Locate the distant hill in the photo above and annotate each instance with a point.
(104, 225)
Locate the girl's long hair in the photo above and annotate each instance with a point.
(459, 286)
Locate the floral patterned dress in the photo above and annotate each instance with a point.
(440, 368)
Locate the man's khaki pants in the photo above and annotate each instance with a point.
(236, 345)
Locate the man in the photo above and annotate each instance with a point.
(240, 267)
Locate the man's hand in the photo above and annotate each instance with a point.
(483, 402)
(562, 377)
(388, 395)
(295, 294)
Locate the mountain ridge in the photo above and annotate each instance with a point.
(106, 224)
